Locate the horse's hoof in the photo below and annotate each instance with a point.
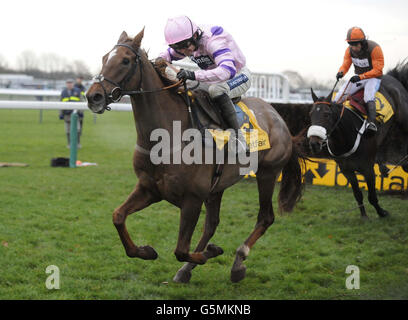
(132, 252)
(384, 214)
(147, 253)
(182, 277)
(364, 218)
(238, 274)
(214, 250)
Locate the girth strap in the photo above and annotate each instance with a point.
(217, 176)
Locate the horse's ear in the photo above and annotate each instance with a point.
(314, 97)
(329, 97)
(123, 37)
(137, 41)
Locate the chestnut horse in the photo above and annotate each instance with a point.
(127, 70)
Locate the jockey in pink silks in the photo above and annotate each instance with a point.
(217, 54)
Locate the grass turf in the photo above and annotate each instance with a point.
(62, 217)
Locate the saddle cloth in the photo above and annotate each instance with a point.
(383, 107)
(208, 117)
(256, 138)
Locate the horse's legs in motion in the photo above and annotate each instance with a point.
(358, 195)
(266, 185)
(212, 204)
(372, 193)
(190, 211)
(140, 198)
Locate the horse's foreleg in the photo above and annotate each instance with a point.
(140, 198)
(266, 217)
(372, 193)
(190, 211)
(358, 195)
(211, 222)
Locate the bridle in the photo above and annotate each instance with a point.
(317, 130)
(329, 104)
(338, 120)
(117, 92)
(360, 132)
(321, 131)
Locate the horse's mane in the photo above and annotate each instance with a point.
(160, 66)
(400, 72)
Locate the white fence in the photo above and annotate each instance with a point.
(272, 87)
(30, 92)
(56, 105)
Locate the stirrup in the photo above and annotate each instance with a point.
(371, 126)
(240, 146)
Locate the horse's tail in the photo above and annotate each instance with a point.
(292, 186)
(400, 72)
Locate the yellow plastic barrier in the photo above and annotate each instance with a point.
(326, 172)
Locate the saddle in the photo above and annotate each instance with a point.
(207, 117)
(384, 109)
(357, 101)
(206, 113)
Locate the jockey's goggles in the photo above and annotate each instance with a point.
(353, 44)
(181, 45)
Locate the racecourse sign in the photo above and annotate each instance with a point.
(327, 173)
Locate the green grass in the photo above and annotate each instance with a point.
(63, 217)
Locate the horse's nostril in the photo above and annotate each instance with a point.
(97, 97)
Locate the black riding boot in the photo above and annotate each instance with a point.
(371, 114)
(227, 110)
(230, 117)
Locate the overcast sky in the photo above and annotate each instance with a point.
(305, 36)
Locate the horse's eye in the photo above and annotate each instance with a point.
(125, 61)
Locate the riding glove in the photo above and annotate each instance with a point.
(355, 79)
(339, 75)
(186, 74)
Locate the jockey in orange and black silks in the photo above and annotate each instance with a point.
(223, 66)
(368, 60)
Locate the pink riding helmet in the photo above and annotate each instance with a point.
(178, 29)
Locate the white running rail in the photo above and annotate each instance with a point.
(271, 87)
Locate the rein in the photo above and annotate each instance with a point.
(338, 120)
(355, 146)
(117, 92)
(342, 110)
(356, 142)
